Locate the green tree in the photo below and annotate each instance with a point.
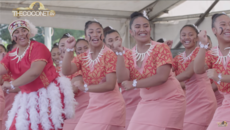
(58, 33)
(4, 33)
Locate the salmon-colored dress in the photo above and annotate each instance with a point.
(106, 111)
(9, 99)
(161, 106)
(82, 99)
(219, 98)
(218, 95)
(221, 119)
(200, 98)
(131, 97)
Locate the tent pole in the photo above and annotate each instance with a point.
(48, 37)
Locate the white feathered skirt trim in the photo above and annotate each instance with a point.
(46, 107)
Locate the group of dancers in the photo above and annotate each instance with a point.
(109, 87)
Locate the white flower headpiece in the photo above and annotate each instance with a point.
(81, 38)
(196, 27)
(67, 34)
(110, 27)
(145, 14)
(95, 20)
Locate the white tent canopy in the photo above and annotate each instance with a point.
(167, 16)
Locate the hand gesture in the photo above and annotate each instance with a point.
(79, 85)
(203, 37)
(6, 86)
(128, 85)
(212, 74)
(118, 45)
(70, 43)
(169, 43)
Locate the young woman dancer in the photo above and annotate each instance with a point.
(61, 45)
(80, 96)
(106, 109)
(44, 101)
(81, 46)
(200, 98)
(55, 53)
(162, 106)
(132, 97)
(219, 67)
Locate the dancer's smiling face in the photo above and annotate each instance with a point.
(188, 37)
(222, 28)
(94, 34)
(21, 36)
(110, 39)
(55, 55)
(140, 30)
(62, 48)
(81, 47)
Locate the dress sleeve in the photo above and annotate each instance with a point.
(127, 58)
(78, 73)
(175, 63)
(6, 62)
(163, 55)
(77, 60)
(208, 59)
(7, 77)
(39, 52)
(110, 61)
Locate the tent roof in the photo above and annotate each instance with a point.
(73, 14)
(102, 5)
(122, 9)
(197, 7)
(105, 8)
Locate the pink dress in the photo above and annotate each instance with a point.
(219, 98)
(218, 95)
(106, 111)
(200, 98)
(9, 99)
(221, 119)
(131, 97)
(161, 106)
(82, 99)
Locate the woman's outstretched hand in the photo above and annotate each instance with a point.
(203, 38)
(70, 43)
(118, 45)
(128, 85)
(169, 43)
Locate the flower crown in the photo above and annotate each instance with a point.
(22, 23)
